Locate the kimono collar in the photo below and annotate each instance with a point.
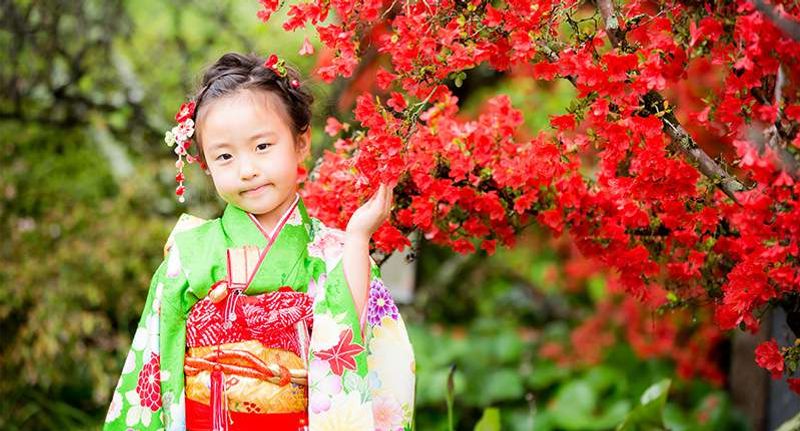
(203, 251)
(242, 228)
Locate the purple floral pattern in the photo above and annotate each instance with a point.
(380, 303)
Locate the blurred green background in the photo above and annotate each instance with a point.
(86, 203)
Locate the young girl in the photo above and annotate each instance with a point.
(264, 318)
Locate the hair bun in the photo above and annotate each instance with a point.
(229, 64)
(234, 72)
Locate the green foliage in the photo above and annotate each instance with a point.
(648, 415)
(490, 421)
(494, 346)
(71, 289)
(596, 398)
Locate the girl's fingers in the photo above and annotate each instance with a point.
(382, 192)
(389, 199)
(381, 196)
(380, 203)
(374, 198)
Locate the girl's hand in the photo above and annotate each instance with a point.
(356, 263)
(369, 216)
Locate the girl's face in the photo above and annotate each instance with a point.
(251, 152)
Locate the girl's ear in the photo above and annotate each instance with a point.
(304, 144)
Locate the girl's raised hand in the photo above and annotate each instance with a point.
(369, 216)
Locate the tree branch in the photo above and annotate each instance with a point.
(680, 137)
(791, 28)
(615, 34)
(654, 102)
(786, 160)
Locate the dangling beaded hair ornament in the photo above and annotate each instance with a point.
(181, 135)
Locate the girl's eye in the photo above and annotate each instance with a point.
(224, 156)
(263, 146)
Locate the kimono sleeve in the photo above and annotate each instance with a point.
(145, 397)
(390, 358)
(361, 369)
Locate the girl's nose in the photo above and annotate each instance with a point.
(247, 170)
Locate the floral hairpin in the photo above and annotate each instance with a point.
(278, 65)
(181, 137)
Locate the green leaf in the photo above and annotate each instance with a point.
(649, 415)
(612, 415)
(573, 405)
(490, 421)
(602, 377)
(656, 394)
(545, 374)
(597, 288)
(501, 385)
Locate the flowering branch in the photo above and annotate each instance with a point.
(615, 34)
(729, 184)
(654, 102)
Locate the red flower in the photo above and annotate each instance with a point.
(603, 175)
(148, 386)
(342, 355)
(271, 61)
(544, 70)
(333, 126)
(769, 357)
(269, 7)
(493, 17)
(563, 122)
(794, 385)
(185, 112)
(384, 79)
(619, 65)
(397, 101)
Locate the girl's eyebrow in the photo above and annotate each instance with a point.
(260, 134)
(218, 146)
(263, 134)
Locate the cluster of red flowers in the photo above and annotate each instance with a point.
(688, 341)
(687, 338)
(630, 172)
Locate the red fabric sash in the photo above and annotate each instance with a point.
(198, 418)
(270, 318)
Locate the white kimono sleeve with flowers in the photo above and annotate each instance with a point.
(361, 371)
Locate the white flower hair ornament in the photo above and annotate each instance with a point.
(181, 137)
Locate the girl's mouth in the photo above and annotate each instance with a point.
(256, 190)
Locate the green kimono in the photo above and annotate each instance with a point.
(360, 368)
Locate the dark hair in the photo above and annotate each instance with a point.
(234, 72)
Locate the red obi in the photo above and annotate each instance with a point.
(270, 318)
(245, 361)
